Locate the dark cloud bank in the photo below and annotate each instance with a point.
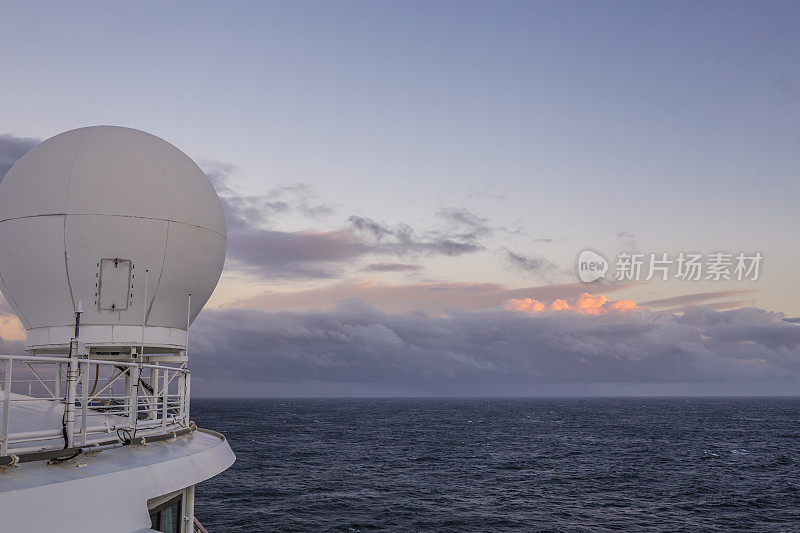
(354, 349)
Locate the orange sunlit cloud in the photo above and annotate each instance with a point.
(11, 329)
(587, 304)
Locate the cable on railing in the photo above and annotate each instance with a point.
(96, 375)
(58, 456)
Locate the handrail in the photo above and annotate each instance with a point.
(199, 525)
(51, 359)
(124, 407)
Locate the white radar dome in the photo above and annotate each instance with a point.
(119, 220)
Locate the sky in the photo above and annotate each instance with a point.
(408, 185)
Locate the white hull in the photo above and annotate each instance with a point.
(108, 492)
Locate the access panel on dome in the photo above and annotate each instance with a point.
(114, 286)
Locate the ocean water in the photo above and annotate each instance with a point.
(504, 464)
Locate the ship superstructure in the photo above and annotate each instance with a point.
(111, 242)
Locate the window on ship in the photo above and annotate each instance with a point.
(166, 516)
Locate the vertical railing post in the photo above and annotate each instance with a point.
(133, 395)
(164, 397)
(181, 396)
(188, 509)
(57, 383)
(155, 375)
(6, 408)
(69, 406)
(84, 401)
(127, 389)
(188, 397)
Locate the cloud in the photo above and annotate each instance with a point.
(676, 303)
(629, 240)
(402, 240)
(528, 264)
(392, 267)
(485, 352)
(299, 254)
(243, 210)
(12, 332)
(472, 225)
(256, 249)
(721, 306)
(255, 246)
(323, 254)
(429, 297)
(586, 303)
(11, 149)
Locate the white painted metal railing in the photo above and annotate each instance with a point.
(84, 400)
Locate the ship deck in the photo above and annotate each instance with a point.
(112, 485)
